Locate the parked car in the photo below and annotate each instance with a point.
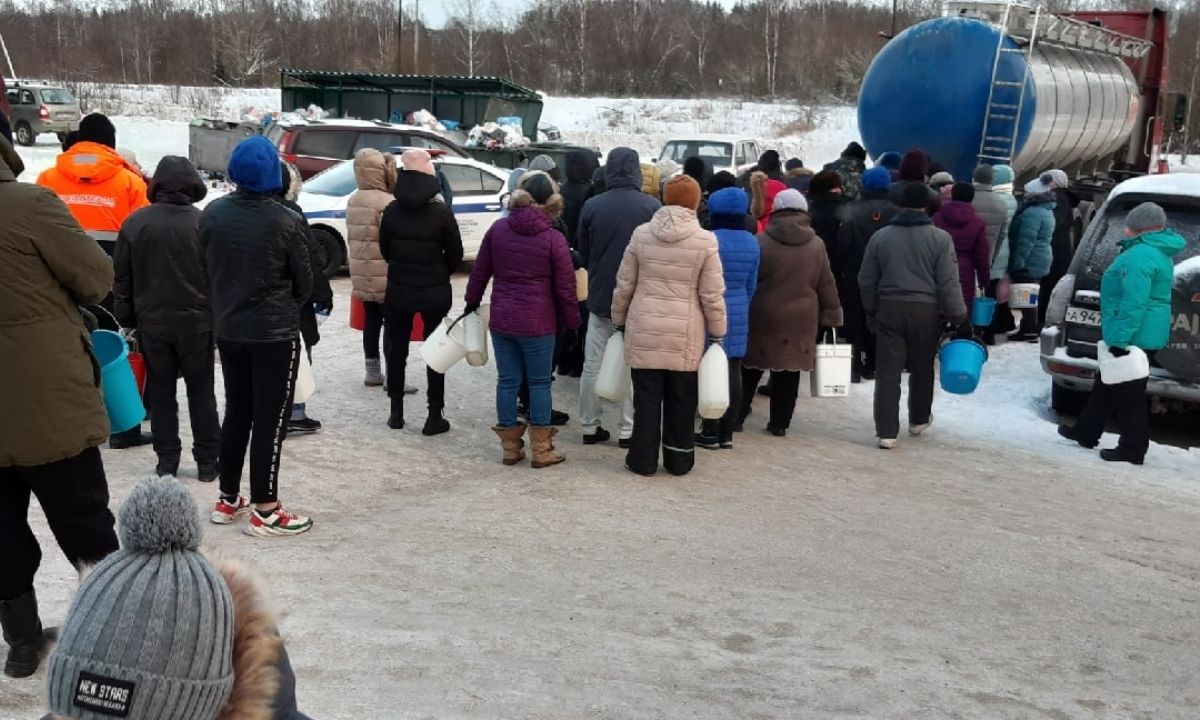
(1068, 343)
(478, 199)
(721, 152)
(316, 146)
(38, 109)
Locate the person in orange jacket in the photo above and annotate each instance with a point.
(97, 185)
(101, 191)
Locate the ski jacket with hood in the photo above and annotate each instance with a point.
(969, 233)
(607, 223)
(1135, 292)
(98, 187)
(375, 173)
(796, 295)
(533, 282)
(1029, 238)
(912, 262)
(420, 240)
(739, 264)
(994, 211)
(256, 254)
(670, 292)
(318, 257)
(576, 190)
(50, 387)
(160, 282)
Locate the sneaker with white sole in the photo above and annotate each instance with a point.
(919, 428)
(279, 522)
(888, 443)
(225, 513)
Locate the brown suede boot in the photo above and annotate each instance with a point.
(512, 440)
(542, 439)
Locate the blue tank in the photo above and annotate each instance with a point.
(928, 88)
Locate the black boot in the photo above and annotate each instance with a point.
(435, 424)
(129, 439)
(396, 419)
(707, 437)
(27, 642)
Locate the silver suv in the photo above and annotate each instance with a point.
(38, 109)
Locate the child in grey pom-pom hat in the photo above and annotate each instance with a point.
(157, 631)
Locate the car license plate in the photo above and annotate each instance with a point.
(1083, 316)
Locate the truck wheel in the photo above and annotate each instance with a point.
(334, 250)
(25, 135)
(1066, 401)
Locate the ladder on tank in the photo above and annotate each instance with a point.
(1002, 120)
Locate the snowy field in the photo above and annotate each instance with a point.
(985, 570)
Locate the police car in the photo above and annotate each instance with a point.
(478, 190)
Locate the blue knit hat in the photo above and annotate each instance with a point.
(254, 166)
(890, 160)
(1002, 175)
(877, 178)
(730, 201)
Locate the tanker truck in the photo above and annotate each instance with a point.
(1003, 83)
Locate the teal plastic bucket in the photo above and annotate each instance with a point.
(961, 366)
(982, 311)
(122, 400)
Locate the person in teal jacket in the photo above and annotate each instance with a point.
(1030, 256)
(1135, 311)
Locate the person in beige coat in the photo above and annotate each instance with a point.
(52, 419)
(796, 296)
(670, 294)
(375, 173)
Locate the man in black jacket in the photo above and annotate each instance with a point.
(605, 227)
(258, 268)
(161, 290)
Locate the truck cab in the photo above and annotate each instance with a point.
(1068, 342)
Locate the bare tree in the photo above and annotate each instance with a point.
(467, 22)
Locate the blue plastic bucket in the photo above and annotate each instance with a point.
(982, 311)
(122, 400)
(961, 366)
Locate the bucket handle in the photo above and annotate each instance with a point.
(829, 331)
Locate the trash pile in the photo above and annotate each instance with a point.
(505, 133)
(424, 118)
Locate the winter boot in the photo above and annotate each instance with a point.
(707, 438)
(513, 442)
(542, 439)
(435, 424)
(129, 439)
(27, 641)
(396, 419)
(374, 376)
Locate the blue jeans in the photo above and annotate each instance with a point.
(523, 358)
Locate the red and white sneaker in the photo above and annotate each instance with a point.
(225, 513)
(279, 522)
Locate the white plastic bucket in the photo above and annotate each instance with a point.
(832, 369)
(713, 383)
(445, 346)
(613, 381)
(475, 339)
(1023, 296)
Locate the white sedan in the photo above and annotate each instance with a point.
(477, 187)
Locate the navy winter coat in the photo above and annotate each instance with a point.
(739, 253)
(533, 281)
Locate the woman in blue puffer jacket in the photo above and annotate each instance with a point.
(1030, 255)
(739, 261)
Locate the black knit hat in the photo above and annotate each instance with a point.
(915, 196)
(793, 164)
(98, 129)
(962, 192)
(720, 181)
(856, 151)
(540, 187)
(769, 162)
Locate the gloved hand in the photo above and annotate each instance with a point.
(470, 308)
(965, 331)
(1118, 352)
(325, 308)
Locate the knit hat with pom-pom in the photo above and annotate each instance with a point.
(150, 632)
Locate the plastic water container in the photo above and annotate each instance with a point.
(475, 340)
(833, 369)
(445, 346)
(613, 381)
(713, 383)
(982, 311)
(961, 366)
(1023, 296)
(122, 401)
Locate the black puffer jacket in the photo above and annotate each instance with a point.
(258, 267)
(160, 280)
(419, 238)
(577, 189)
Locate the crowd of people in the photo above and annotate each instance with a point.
(764, 264)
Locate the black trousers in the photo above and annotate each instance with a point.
(169, 353)
(73, 494)
(571, 346)
(1125, 403)
(664, 412)
(375, 325)
(260, 379)
(400, 324)
(785, 387)
(907, 336)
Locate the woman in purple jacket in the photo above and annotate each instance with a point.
(969, 231)
(533, 290)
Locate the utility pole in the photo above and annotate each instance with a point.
(399, 37)
(416, 37)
